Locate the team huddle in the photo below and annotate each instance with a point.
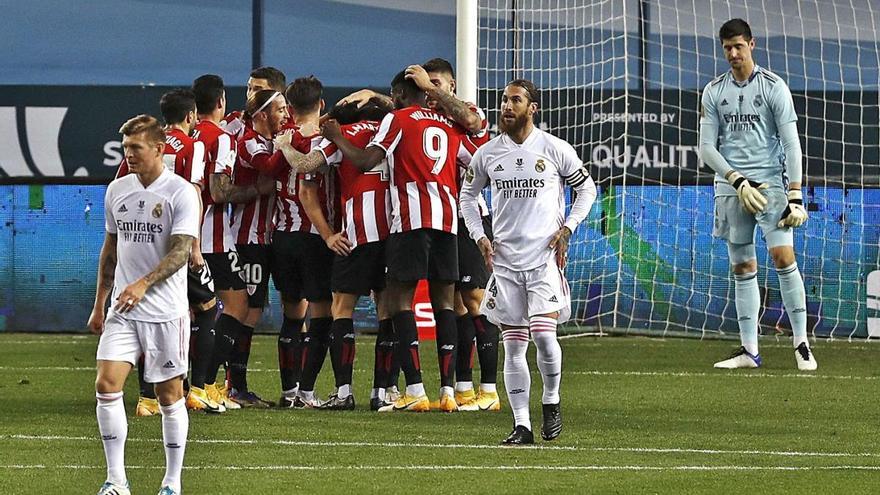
(366, 200)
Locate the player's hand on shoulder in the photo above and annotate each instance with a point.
(559, 242)
(284, 139)
(330, 129)
(360, 97)
(748, 192)
(487, 250)
(131, 296)
(96, 320)
(795, 214)
(419, 76)
(339, 244)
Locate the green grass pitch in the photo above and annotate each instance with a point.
(641, 416)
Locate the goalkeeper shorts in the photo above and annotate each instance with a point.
(736, 225)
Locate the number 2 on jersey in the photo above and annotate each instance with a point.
(436, 146)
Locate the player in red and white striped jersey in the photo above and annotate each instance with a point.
(266, 111)
(305, 228)
(260, 79)
(421, 147)
(438, 80)
(366, 219)
(218, 245)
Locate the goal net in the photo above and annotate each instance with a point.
(620, 81)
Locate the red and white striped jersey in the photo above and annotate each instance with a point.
(471, 143)
(252, 222)
(290, 216)
(235, 124)
(220, 153)
(422, 147)
(366, 199)
(183, 156)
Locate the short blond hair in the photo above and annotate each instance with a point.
(146, 124)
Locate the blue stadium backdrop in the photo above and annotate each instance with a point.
(633, 267)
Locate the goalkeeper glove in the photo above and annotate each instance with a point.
(748, 192)
(794, 215)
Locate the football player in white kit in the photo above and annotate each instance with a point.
(152, 218)
(527, 170)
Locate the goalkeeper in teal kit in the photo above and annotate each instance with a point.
(748, 135)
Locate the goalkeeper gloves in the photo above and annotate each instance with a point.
(794, 215)
(748, 192)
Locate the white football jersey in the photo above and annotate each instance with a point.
(528, 201)
(144, 219)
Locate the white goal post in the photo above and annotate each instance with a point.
(620, 80)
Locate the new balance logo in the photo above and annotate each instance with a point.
(724, 102)
(122, 209)
(499, 168)
(172, 445)
(108, 437)
(168, 365)
(553, 298)
(447, 347)
(517, 391)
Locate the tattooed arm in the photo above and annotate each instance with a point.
(457, 110)
(177, 256)
(106, 275)
(303, 163)
(224, 191)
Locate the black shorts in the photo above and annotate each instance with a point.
(199, 286)
(301, 264)
(472, 272)
(225, 269)
(361, 271)
(255, 269)
(422, 254)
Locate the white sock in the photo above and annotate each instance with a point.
(464, 386)
(376, 393)
(791, 285)
(113, 426)
(447, 391)
(415, 390)
(307, 395)
(175, 426)
(488, 388)
(549, 356)
(748, 304)
(343, 391)
(289, 393)
(517, 380)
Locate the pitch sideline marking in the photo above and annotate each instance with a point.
(467, 467)
(674, 374)
(302, 443)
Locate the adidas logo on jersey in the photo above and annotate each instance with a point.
(122, 209)
(553, 298)
(168, 365)
(499, 168)
(724, 102)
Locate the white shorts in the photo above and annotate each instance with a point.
(511, 296)
(165, 345)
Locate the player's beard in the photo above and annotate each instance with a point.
(518, 124)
